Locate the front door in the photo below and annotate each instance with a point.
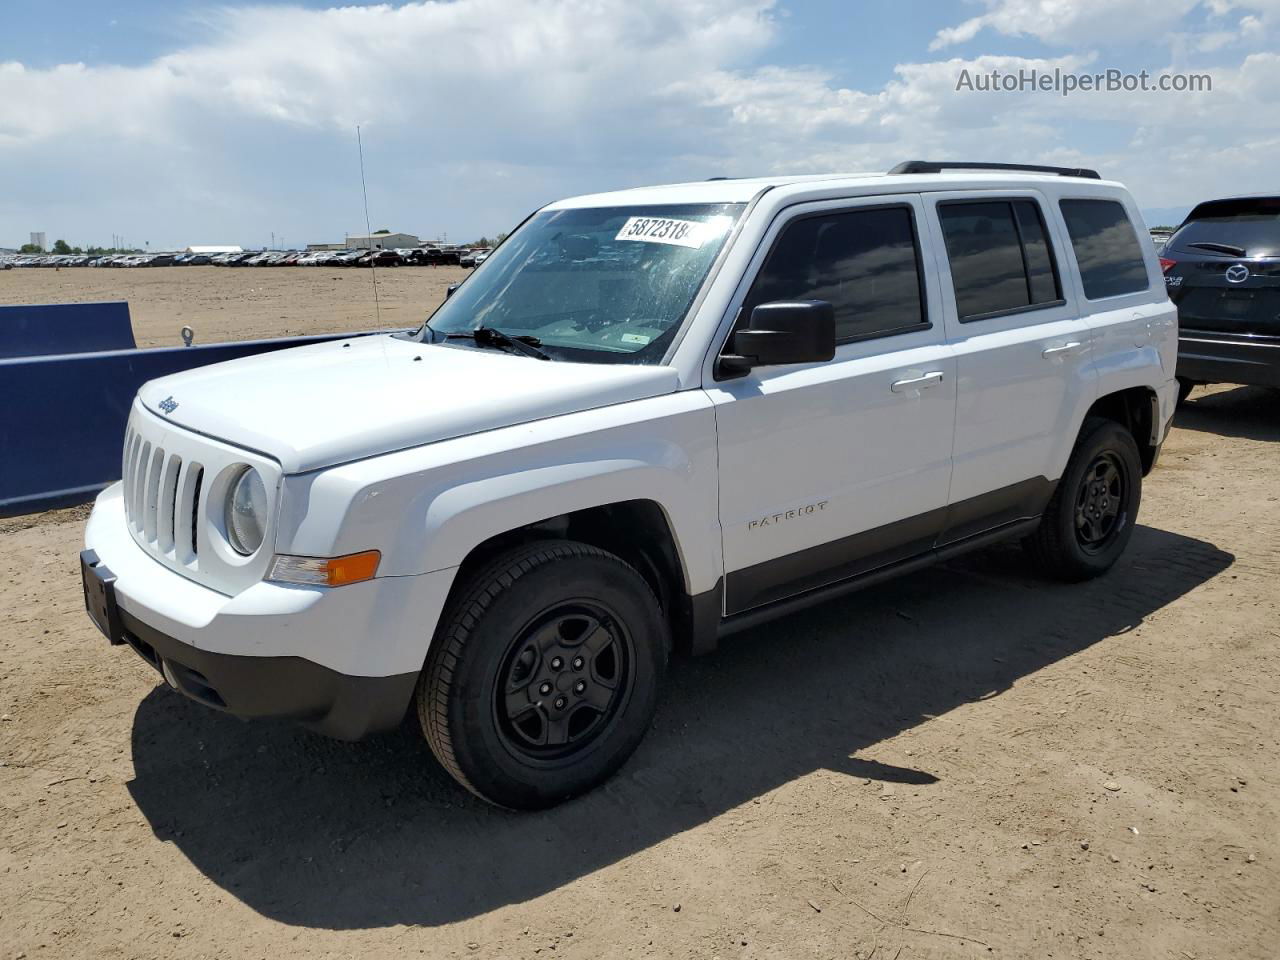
(828, 470)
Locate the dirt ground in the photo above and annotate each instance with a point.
(242, 303)
(967, 762)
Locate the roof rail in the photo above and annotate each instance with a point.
(931, 166)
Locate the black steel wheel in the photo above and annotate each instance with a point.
(564, 681)
(544, 672)
(1091, 516)
(1100, 502)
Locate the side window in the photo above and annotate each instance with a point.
(865, 263)
(1106, 247)
(1000, 257)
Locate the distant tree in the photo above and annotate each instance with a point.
(1170, 229)
(31, 248)
(376, 232)
(61, 246)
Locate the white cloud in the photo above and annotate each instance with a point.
(1065, 23)
(334, 68)
(798, 120)
(474, 111)
(265, 104)
(1068, 23)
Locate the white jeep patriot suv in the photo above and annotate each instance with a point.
(649, 419)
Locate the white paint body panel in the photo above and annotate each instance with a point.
(834, 435)
(1014, 404)
(332, 402)
(371, 629)
(423, 459)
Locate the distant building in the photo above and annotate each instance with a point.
(213, 248)
(381, 241)
(37, 239)
(321, 247)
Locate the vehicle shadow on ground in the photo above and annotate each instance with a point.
(1251, 413)
(339, 836)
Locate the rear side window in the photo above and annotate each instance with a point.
(865, 263)
(1106, 247)
(1001, 261)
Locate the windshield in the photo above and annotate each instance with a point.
(601, 285)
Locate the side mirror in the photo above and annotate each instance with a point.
(450, 290)
(786, 331)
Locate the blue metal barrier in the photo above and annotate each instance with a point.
(34, 330)
(62, 417)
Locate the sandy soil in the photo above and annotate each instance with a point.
(968, 762)
(221, 303)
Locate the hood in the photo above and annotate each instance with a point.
(328, 403)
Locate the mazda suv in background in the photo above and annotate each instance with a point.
(1222, 270)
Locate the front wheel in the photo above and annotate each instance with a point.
(543, 676)
(1092, 514)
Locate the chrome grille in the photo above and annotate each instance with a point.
(161, 494)
(171, 476)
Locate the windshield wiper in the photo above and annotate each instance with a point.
(491, 337)
(1230, 249)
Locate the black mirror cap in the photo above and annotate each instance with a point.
(788, 331)
(450, 290)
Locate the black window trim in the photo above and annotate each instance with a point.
(1009, 200)
(1137, 236)
(925, 322)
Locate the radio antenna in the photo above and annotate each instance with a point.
(368, 230)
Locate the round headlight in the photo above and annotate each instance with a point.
(247, 512)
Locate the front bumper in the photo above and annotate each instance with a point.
(342, 660)
(331, 703)
(1229, 358)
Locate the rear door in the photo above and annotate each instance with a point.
(1022, 354)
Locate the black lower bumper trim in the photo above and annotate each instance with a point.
(1205, 358)
(332, 703)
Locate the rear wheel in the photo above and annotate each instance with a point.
(544, 674)
(1091, 517)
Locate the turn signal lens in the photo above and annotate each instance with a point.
(1166, 264)
(325, 571)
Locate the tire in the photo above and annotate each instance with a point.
(1092, 513)
(543, 676)
(1184, 390)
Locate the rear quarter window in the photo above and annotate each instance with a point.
(1106, 247)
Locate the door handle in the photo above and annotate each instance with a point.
(1063, 350)
(916, 383)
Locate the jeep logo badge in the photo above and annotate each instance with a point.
(1237, 273)
(168, 405)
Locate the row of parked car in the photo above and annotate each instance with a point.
(415, 256)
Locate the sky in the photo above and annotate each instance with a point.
(178, 122)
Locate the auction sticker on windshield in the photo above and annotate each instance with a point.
(682, 233)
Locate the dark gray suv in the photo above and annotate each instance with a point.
(1222, 270)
